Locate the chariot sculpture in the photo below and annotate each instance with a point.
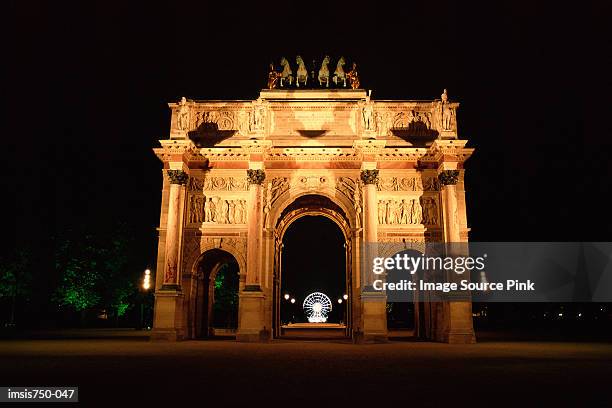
(285, 78)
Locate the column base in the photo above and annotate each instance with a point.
(374, 319)
(460, 338)
(168, 322)
(251, 326)
(161, 335)
(459, 324)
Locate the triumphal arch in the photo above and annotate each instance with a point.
(238, 173)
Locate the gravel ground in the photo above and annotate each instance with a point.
(109, 371)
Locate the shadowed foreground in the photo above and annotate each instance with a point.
(288, 372)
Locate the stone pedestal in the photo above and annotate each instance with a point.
(251, 325)
(373, 318)
(459, 327)
(168, 319)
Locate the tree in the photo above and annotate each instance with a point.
(15, 280)
(93, 273)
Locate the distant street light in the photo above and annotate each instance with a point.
(339, 300)
(345, 296)
(286, 296)
(146, 285)
(292, 300)
(146, 282)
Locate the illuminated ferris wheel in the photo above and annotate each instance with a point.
(317, 306)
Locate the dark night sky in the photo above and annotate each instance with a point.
(313, 259)
(89, 83)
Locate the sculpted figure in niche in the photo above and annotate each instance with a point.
(223, 219)
(388, 209)
(244, 211)
(417, 212)
(430, 211)
(208, 210)
(382, 212)
(405, 210)
(393, 212)
(238, 212)
(231, 212)
(217, 206)
(192, 210)
(199, 208)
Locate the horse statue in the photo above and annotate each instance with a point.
(302, 72)
(324, 72)
(339, 72)
(287, 74)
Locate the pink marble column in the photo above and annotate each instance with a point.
(178, 178)
(448, 181)
(457, 325)
(370, 219)
(255, 229)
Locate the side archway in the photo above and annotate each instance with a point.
(214, 294)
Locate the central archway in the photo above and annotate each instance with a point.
(313, 255)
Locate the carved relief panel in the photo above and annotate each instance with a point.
(209, 201)
(215, 209)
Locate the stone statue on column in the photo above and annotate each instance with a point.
(369, 120)
(182, 119)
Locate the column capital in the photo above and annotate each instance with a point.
(177, 177)
(256, 176)
(448, 177)
(369, 176)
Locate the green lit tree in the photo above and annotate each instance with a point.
(226, 296)
(15, 280)
(93, 273)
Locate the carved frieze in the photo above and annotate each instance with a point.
(400, 211)
(399, 184)
(225, 184)
(408, 211)
(431, 184)
(219, 184)
(213, 120)
(218, 210)
(417, 122)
